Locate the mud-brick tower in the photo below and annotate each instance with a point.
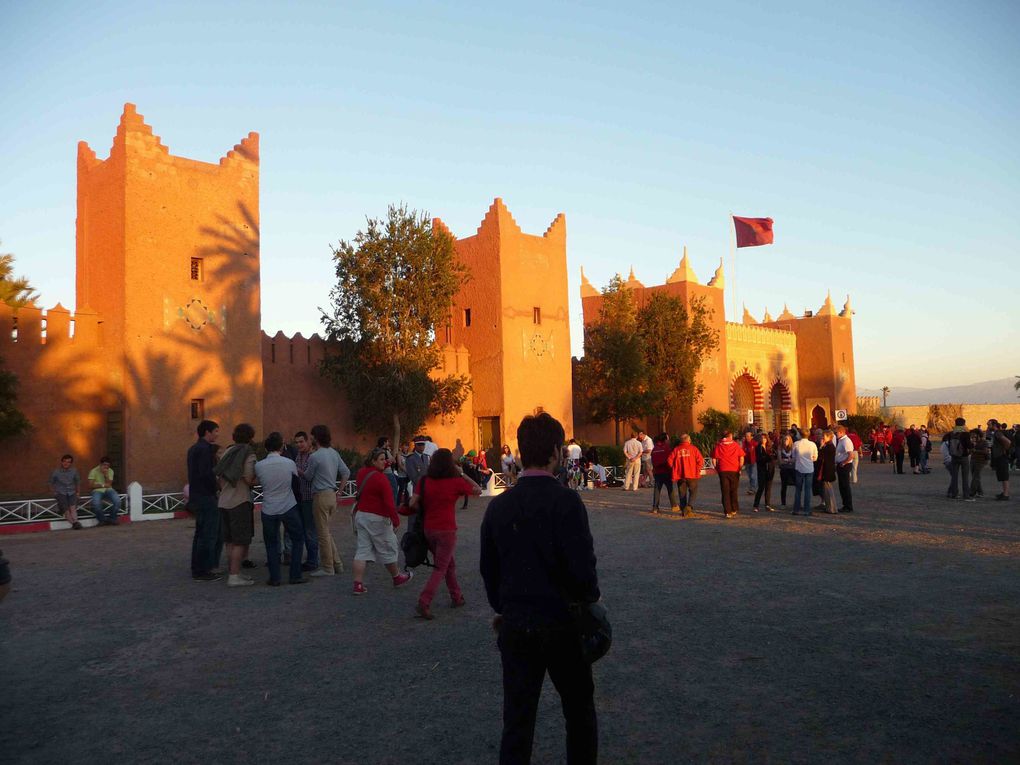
(168, 254)
(512, 316)
(825, 358)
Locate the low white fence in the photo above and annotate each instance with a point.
(140, 506)
(135, 503)
(17, 511)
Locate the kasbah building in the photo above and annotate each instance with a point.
(167, 331)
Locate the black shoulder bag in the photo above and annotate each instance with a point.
(413, 542)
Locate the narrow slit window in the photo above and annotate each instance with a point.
(198, 408)
(536, 315)
(467, 317)
(448, 334)
(197, 270)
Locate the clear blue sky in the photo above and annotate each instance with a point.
(881, 137)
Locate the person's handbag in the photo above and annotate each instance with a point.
(591, 620)
(413, 542)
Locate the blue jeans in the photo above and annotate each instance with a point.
(207, 546)
(311, 539)
(752, 475)
(98, 495)
(803, 491)
(291, 521)
(395, 485)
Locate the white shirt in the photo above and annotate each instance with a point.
(632, 448)
(573, 452)
(844, 449)
(647, 445)
(805, 453)
(274, 473)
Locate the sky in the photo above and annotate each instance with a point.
(881, 137)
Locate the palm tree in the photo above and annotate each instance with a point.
(885, 395)
(15, 292)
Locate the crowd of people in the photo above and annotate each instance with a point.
(965, 452)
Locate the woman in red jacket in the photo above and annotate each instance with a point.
(375, 521)
(437, 493)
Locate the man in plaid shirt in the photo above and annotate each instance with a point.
(304, 449)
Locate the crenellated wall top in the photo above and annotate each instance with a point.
(24, 327)
(755, 333)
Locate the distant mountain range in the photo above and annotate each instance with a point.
(989, 392)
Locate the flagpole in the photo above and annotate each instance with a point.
(733, 260)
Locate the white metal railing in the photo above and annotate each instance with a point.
(36, 510)
(141, 507)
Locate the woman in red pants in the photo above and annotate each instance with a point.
(438, 491)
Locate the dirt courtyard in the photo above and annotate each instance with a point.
(889, 635)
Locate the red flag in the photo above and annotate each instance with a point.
(752, 232)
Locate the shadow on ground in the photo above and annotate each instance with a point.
(887, 636)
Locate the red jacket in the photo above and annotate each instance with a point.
(896, 441)
(687, 462)
(727, 455)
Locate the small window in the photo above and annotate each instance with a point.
(467, 317)
(448, 334)
(198, 408)
(536, 315)
(197, 271)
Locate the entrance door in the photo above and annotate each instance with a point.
(488, 440)
(115, 447)
(818, 418)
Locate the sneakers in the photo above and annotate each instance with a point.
(675, 509)
(423, 612)
(236, 580)
(730, 515)
(969, 499)
(770, 508)
(401, 579)
(210, 577)
(321, 572)
(458, 602)
(359, 589)
(689, 512)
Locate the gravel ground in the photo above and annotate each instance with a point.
(887, 636)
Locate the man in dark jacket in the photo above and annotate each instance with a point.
(207, 544)
(537, 556)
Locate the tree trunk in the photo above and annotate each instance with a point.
(396, 432)
(616, 429)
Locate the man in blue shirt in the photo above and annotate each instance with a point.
(324, 466)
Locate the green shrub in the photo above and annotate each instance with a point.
(354, 459)
(714, 423)
(611, 455)
(705, 442)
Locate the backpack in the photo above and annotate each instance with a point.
(413, 542)
(956, 450)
